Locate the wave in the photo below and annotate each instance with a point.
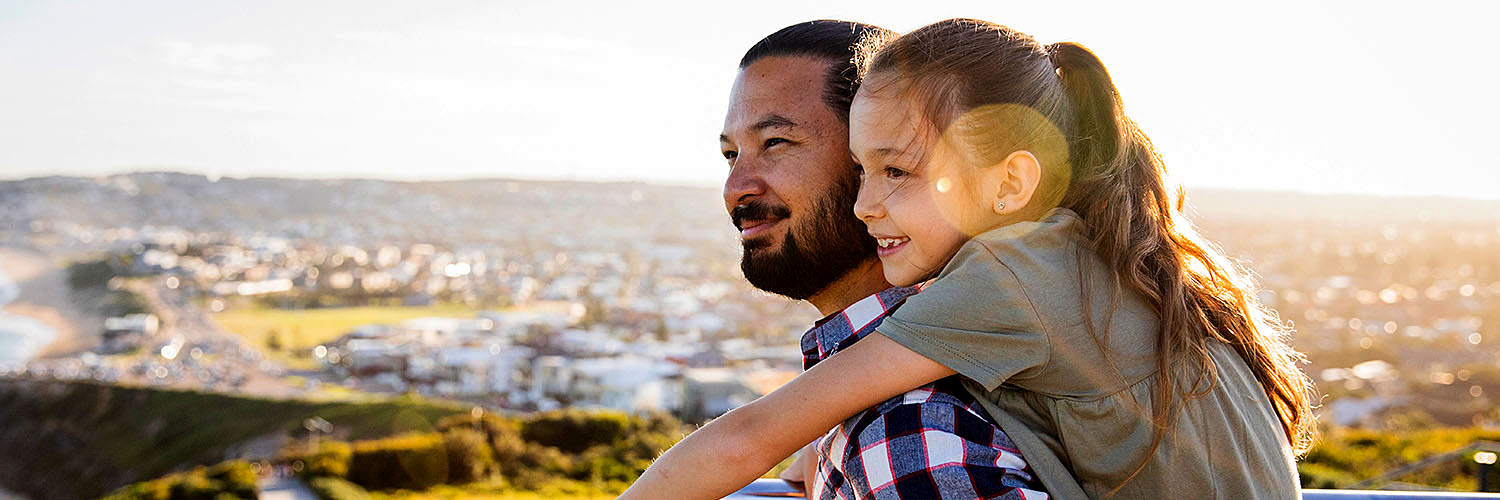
(21, 338)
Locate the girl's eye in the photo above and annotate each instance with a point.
(895, 173)
(773, 141)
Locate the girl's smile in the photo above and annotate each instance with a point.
(887, 246)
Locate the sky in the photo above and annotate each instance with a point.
(1348, 97)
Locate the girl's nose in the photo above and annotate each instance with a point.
(869, 205)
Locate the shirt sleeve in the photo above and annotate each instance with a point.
(976, 319)
(936, 451)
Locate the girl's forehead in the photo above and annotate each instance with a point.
(886, 111)
(886, 122)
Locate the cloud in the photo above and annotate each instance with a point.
(376, 38)
(220, 58)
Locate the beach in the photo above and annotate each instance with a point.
(37, 315)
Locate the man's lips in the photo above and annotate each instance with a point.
(752, 228)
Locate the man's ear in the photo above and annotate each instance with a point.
(1011, 183)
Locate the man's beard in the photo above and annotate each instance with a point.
(828, 244)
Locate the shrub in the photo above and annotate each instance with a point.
(543, 459)
(332, 488)
(226, 481)
(327, 458)
(508, 446)
(503, 435)
(1324, 477)
(409, 461)
(236, 477)
(145, 490)
(469, 456)
(574, 431)
(196, 487)
(90, 274)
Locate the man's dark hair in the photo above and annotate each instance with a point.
(835, 41)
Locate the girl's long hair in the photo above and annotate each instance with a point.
(1117, 183)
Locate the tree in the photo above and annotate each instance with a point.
(273, 340)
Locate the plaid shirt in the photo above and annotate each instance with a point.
(934, 442)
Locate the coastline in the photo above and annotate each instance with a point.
(44, 297)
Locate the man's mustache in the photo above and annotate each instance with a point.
(756, 210)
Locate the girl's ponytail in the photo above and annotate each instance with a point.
(1094, 101)
(1135, 218)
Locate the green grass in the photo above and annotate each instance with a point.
(1344, 456)
(138, 434)
(302, 329)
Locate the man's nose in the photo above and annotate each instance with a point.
(745, 182)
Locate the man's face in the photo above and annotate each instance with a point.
(791, 184)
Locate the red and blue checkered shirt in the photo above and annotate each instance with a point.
(934, 442)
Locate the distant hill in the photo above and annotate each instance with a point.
(352, 209)
(347, 210)
(1279, 205)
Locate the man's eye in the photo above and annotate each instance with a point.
(731, 155)
(774, 141)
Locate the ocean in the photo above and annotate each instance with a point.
(20, 337)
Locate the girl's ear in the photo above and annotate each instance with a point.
(1012, 182)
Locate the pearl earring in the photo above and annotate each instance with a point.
(999, 205)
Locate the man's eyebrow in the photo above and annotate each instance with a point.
(771, 121)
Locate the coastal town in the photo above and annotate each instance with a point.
(638, 306)
(543, 295)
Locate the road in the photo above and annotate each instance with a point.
(207, 357)
(285, 488)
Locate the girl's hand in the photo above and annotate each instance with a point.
(735, 449)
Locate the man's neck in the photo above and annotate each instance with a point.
(862, 281)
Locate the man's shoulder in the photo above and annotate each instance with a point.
(934, 394)
(939, 406)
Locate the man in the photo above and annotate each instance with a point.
(790, 192)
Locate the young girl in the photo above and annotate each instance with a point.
(1123, 354)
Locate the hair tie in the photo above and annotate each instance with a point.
(1052, 54)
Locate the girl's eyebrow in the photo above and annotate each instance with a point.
(882, 153)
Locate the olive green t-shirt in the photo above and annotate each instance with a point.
(1008, 313)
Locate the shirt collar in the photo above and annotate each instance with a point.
(842, 329)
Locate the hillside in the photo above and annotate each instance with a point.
(81, 440)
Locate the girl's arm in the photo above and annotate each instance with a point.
(737, 448)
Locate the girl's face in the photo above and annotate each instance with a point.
(916, 196)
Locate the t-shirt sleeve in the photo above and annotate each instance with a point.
(974, 318)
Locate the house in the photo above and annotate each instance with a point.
(628, 383)
(710, 392)
(128, 332)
